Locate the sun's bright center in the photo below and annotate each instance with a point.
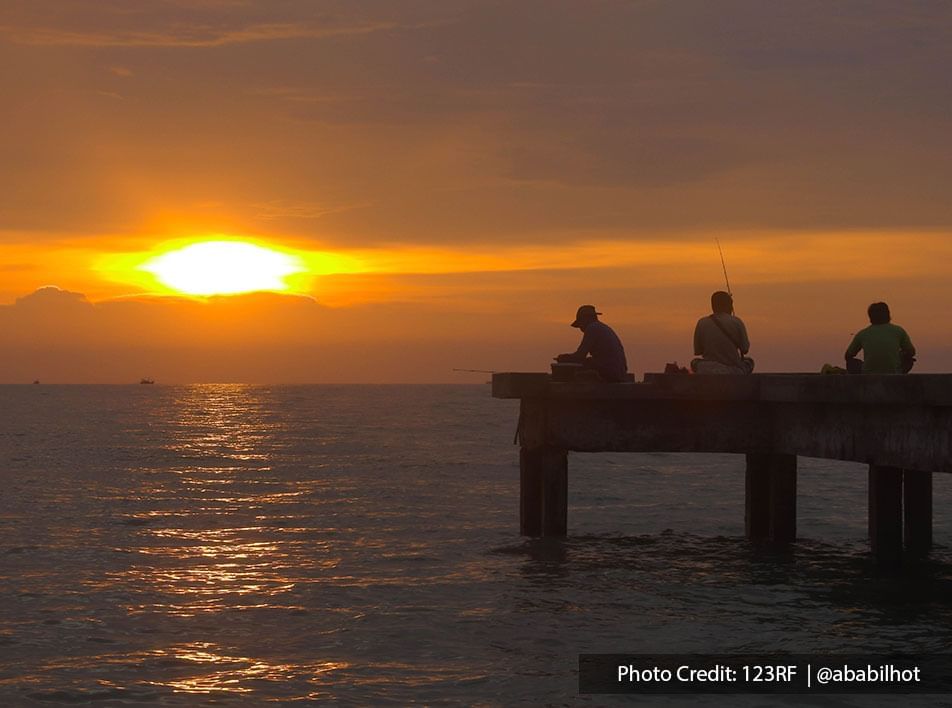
(223, 268)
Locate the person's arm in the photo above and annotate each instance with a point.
(744, 341)
(905, 344)
(698, 343)
(854, 347)
(579, 354)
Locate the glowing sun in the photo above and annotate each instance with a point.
(223, 268)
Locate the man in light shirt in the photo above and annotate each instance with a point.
(720, 340)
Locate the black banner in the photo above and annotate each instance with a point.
(771, 673)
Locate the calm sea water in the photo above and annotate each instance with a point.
(227, 544)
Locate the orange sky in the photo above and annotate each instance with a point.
(457, 176)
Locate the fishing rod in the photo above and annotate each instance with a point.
(724, 266)
(476, 371)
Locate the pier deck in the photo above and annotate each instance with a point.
(901, 426)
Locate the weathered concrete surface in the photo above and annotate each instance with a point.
(543, 492)
(917, 512)
(901, 426)
(885, 513)
(889, 421)
(770, 508)
(910, 389)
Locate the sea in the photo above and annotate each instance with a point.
(211, 545)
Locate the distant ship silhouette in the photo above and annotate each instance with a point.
(147, 381)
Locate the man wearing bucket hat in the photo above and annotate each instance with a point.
(600, 349)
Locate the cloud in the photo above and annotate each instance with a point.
(58, 336)
(55, 316)
(280, 209)
(507, 320)
(52, 299)
(481, 121)
(184, 35)
(147, 24)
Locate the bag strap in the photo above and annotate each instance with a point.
(726, 333)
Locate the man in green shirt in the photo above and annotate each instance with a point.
(886, 347)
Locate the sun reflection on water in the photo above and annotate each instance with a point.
(222, 672)
(234, 548)
(249, 544)
(223, 421)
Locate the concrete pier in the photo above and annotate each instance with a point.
(770, 508)
(901, 426)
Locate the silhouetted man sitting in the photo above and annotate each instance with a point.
(886, 347)
(720, 339)
(600, 350)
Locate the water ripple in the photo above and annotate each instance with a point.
(246, 544)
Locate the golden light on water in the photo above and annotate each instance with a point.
(209, 669)
(224, 268)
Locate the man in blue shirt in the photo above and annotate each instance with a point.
(600, 349)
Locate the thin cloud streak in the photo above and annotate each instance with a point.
(187, 35)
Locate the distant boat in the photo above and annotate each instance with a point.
(36, 381)
(147, 381)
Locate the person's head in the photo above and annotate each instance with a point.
(878, 313)
(584, 316)
(722, 302)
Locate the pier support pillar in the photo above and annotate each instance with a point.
(543, 492)
(770, 512)
(917, 512)
(885, 514)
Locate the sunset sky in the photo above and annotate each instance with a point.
(440, 183)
